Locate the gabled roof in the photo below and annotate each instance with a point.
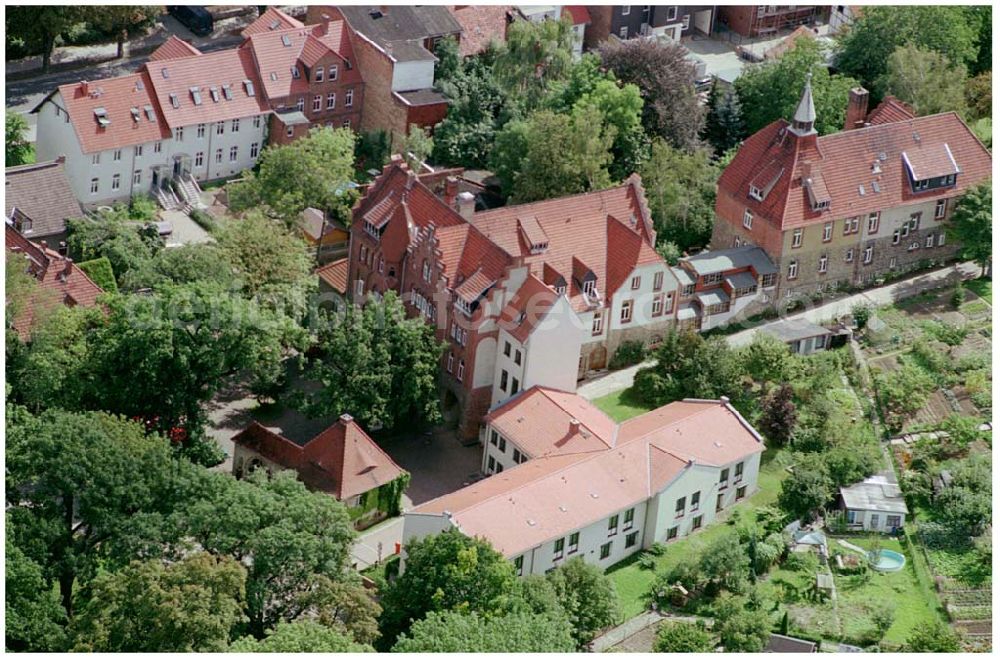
(173, 48)
(399, 30)
(173, 83)
(579, 234)
(342, 460)
(844, 161)
(890, 110)
(528, 308)
(335, 275)
(42, 192)
(60, 280)
(481, 24)
(116, 99)
(878, 492)
(270, 21)
(277, 51)
(571, 486)
(578, 14)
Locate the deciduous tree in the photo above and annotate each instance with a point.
(454, 631)
(533, 56)
(807, 489)
(933, 637)
(39, 26)
(16, 145)
(688, 366)
(972, 224)
(682, 637)
(741, 626)
(120, 20)
(151, 606)
(115, 236)
(680, 187)
(779, 416)
(378, 366)
(979, 95)
(663, 75)
(926, 80)
(588, 597)
(297, 637)
(34, 618)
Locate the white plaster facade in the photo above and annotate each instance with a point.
(129, 170)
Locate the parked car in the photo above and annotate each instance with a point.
(193, 17)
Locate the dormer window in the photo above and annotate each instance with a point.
(295, 72)
(561, 290)
(464, 307)
(214, 91)
(136, 117)
(227, 91)
(755, 193)
(248, 87)
(821, 205)
(372, 230)
(590, 287)
(174, 101)
(195, 95)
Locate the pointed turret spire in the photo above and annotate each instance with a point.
(805, 115)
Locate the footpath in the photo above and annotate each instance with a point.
(877, 297)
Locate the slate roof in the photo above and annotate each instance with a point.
(879, 493)
(399, 28)
(42, 192)
(580, 478)
(60, 280)
(844, 161)
(780, 643)
(721, 260)
(342, 460)
(422, 97)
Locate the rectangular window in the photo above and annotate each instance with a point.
(769, 280)
(218, 156)
(95, 184)
(346, 123)
(557, 548)
(724, 479)
(179, 133)
(138, 151)
(626, 10)
(896, 235)
(317, 103)
(623, 32)
(672, 533)
(657, 305)
(518, 563)
(116, 181)
(893, 521)
(331, 101)
(636, 283)
(940, 208)
(797, 238)
(914, 223)
(300, 104)
(517, 456)
(869, 252)
(669, 306)
(503, 381)
(233, 153)
(626, 315)
(157, 147)
(629, 519)
(851, 225)
(574, 543)
(929, 242)
(849, 256)
(491, 465)
(747, 219)
(823, 261)
(657, 281)
(517, 357)
(254, 150)
(118, 155)
(827, 231)
(201, 131)
(605, 550)
(220, 128)
(461, 369)
(941, 239)
(137, 177)
(873, 219)
(95, 159)
(502, 445)
(793, 270)
(681, 505)
(290, 131)
(333, 72)
(515, 386)
(349, 98)
(494, 438)
(506, 348)
(236, 126)
(696, 523)
(739, 472)
(451, 364)
(695, 500)
(613, 525)
(741, 492)
(631, 538)
(598, 325)
(256, 121)
(319, 74)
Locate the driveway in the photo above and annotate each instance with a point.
(186, 231)
(879, 297)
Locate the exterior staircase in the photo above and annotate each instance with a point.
(190, 191)
(167, 199)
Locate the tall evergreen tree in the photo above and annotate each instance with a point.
(724, 123)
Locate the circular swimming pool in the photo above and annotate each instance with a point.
(888, 561)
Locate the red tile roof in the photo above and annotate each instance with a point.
(481, 24)
(335, 274)
(173, 48)
(844, 163)
(579, 14)
(528, 308)
(269, 21)
(342, 460)
(307, 46)
(577, 229)
(586, 479)
(890, 110)
(174, 79)
(118, 97)
(60, 280)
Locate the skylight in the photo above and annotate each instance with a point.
(274, 76)
(196, 95)
(214, 91)
(174, 101)
(149, 113)
(166, 74)
(286, 40)
(135, 115)
(227, 91)
(248, 86)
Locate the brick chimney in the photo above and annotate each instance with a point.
(574, 426)
(346, 419)
(857, 108)
(466, 205)
(450, 190)
(85, 87)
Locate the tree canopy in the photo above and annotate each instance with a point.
(682, 637)
(680, 188)
(972, 224)
(587, 596)
(454, 631)
(688, 366)
(532, 57)
(926, 80)
(296, 637)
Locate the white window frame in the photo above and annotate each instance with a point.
(331, 101)
(317, 103)
(869, 254)
(626, 311)
(797, 238)
(873, 221)
(824, 262)
(334, 70)
(254, 150)
(319, 73)
(828, 232)
(940, 209)
(137, 177)
(349, 98)
(849, 255)
(95, 185)
(747, 219)
(793, 270)
(597, 327)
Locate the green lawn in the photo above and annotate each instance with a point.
(633, 583)
(621, 405)
(981, 287)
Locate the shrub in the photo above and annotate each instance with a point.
(861, 313)
(657, 549)
(958, 295)
(647, 562)
(100, 271)
(204, 220)
(948, 333)
(802, 562)
(682, 637)
(142, 208)
(627, 354)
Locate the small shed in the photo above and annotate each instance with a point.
(802, 336)
(874, 504)
(782, 643)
